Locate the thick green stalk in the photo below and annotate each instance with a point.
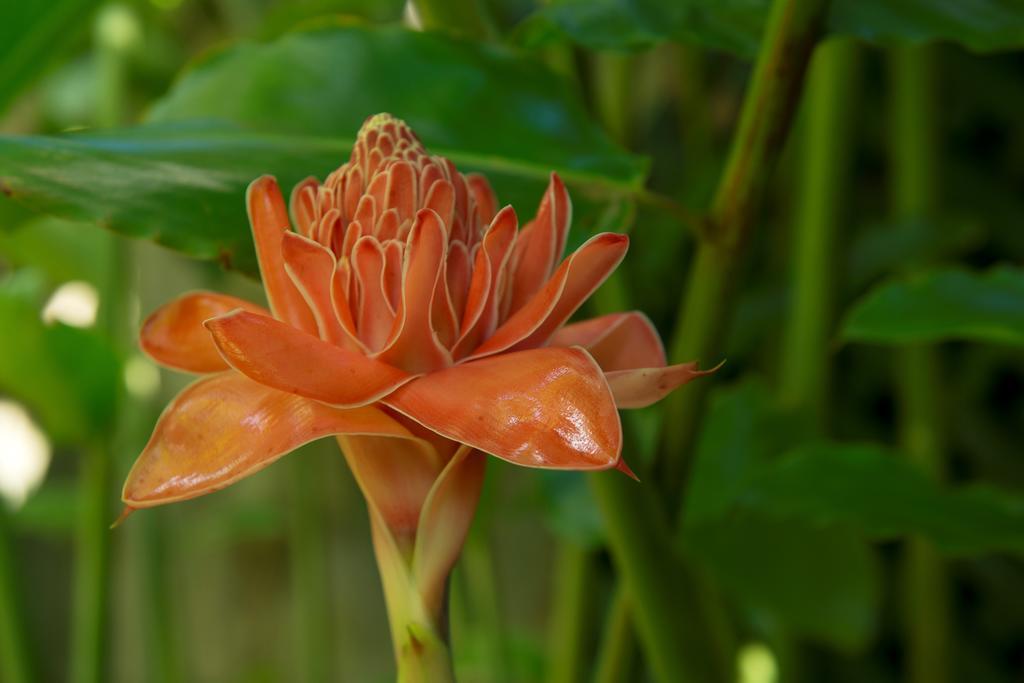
(824, 170)
(465, 17)
(915, 188)
(15, 660)
(616, 654)
(91, 581)
(571, 615)
(310, 585)
(790, 36)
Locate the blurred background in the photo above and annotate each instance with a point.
(849, 499)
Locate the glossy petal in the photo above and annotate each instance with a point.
(640, 387)
(174, 335)
(618, 341)
(546, 407)
(571, 285)
(225, 427)
(269, 219)
(282, 357)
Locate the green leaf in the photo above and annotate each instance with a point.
(884, 496)
(736, 25)
(67, 376)
(32, 37)
(815, 582)
(63, 250)
(286, 108)
(941, 305)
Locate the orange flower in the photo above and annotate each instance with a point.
(414, 321)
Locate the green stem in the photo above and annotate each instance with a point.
(90, 613)
(15, 659)
(570, 617)
(465, 17)
(824, 171)
(610, 73)
(915, 189)
(790, 36)
(617, 653)
(163, 664)
(309, 571)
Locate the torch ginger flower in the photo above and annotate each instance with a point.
(416, 323)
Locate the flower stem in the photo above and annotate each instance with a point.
(617, 651)
(790, 36)
(568, 630)
(825, 162)
(915, 186)
(15, 660)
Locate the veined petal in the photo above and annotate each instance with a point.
(571, 285)
(640, 387)
(618, 341)
(269, 219)
(547, 407)
(225, 427)
(311, 268)
(174, 335)
(282, 357)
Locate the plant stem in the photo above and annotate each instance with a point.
(465, 17)
(568, 630)
(15, 659)
(90, 614)
(617, 652)
(824, 170)
(915, 187)
(790, 36)
(310, 584)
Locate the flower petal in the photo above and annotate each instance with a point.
(174, 335)
(413, 343)
(546, 407)
(269, 219)
(225, 427)
(640, 387)
(571, 285)
(618, 341)
(541, 243)
(311, 268)
(279, 356)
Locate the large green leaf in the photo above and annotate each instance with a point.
(288, 108)
(67, 376)
(880, 493)
(32, 35)
(942, 304)
(736, 25)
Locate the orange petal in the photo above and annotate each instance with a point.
(374, 317)
(571, 285)
(413, 344)
(546, 407)
(444, 522)
(302, 205)
(541, 243)
(269, 220)
(482, 301)
(282, 357)
(619, 341)
(640, 387)
(395, 476)
(225, 427)
(174, 335)
(400, 192)
(311, 268)
(483, 197)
